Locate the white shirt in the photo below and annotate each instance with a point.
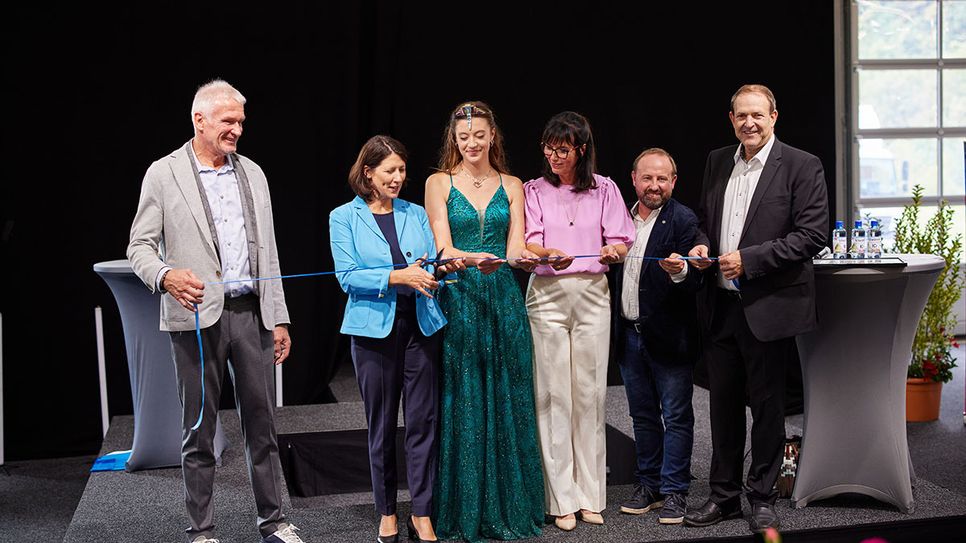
(741, 187)
(224, 201)
(630, 303)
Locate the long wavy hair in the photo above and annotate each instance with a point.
(573, 129)
(371, 155)
(449, 155)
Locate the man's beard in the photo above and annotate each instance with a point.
(654, 204)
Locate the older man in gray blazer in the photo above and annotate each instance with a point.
(202, 232)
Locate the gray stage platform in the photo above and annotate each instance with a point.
(148, 506)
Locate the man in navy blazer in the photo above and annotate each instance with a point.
(764, 214)
(656, 331)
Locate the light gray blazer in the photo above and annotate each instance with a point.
(171, 229)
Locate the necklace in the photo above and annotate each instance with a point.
(573, 216)
(477, 181)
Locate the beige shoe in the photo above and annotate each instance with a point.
(591, 517)
(566, 522)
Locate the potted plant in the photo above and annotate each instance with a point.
(932, 360)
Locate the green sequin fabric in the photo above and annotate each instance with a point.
(490, 482)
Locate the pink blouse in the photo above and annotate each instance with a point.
(577, 223)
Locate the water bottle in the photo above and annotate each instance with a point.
(840, 241)
(875, 240)
(860, 241)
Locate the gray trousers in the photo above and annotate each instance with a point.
(239, 342)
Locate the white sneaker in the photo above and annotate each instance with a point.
(284, 534)
(203, 539)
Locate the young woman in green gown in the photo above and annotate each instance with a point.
(490, 481)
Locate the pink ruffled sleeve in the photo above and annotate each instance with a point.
(616, 221)
(534, 213)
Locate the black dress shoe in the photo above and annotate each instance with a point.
(413, 534)
(763, 516)
(711, 513)
(394, 538)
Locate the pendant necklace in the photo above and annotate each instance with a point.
(570, 217)
(477, 181)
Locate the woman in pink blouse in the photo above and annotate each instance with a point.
(571, 211)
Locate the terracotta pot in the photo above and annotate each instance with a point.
(923, 397)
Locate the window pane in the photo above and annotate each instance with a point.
(891, 167)
(954, 99)
(954, 29)
(954, 171)
(890, 29)
(897, 98)
(887, 221)
(887, 217)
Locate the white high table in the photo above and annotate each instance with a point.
(854, 373)
(154, 388)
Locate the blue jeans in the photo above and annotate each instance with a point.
(659, 388)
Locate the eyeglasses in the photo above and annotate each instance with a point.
(561, 152)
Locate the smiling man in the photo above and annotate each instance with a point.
(205, 218)
(655, 335)
(764, 214)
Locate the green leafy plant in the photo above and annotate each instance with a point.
(931, 349)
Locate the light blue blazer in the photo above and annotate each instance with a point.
(357, 242)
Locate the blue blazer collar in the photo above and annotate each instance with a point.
(400, 210)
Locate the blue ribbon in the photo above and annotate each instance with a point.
(425, 262)
(201, 350)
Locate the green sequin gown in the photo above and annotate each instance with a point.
(490, 482)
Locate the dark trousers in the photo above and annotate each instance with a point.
(740, 363)
(239, 343)
(401, 364)
(659, 391)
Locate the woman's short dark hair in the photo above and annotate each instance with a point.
(574, 129)
(371, 155)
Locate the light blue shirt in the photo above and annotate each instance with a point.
(224, 200)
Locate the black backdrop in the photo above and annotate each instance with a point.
(94, 95)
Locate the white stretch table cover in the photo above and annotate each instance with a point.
(854, 373)
(154, 389)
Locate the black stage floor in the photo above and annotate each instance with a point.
(148, 506)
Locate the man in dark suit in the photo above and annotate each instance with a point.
(656, 329)
(764, 214)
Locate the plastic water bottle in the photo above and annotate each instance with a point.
(875, 240)
(840, 241)
(860, 241)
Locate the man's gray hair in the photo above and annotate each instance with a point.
(209, 94)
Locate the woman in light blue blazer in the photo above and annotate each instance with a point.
(393, 320)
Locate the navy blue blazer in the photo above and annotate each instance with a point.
(358, 242)
(668, 317)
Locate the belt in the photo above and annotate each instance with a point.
(637, 326)
(731, 294)
(240, 301)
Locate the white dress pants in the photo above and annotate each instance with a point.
(570, 322)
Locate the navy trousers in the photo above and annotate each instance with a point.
(659, 394)
(401, 365)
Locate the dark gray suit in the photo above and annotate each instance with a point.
(750, 335)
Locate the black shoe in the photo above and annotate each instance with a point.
(642, 501)
(675, 506)
(413, 534)
(394, 538)
(711, 513)
(763, 516)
